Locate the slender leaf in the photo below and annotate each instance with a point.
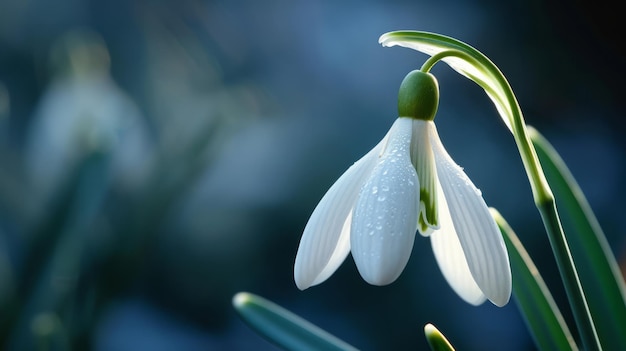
(436, 340)
(48, 280)
(541, 314)
(597, 268)
(282, 327)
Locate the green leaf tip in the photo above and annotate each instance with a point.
(282, 327)
(436, 340)
(241, 299)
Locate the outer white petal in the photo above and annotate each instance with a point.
(325, 241)
(478, 233)
(450, 256)
(385, 215)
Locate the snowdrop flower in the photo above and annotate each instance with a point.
(406, 184)
(83, 110)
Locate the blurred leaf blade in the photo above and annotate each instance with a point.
(597, 267)
(282, 327)
(55, 249)
(541, 314)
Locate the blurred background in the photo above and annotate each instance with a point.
(156, 157)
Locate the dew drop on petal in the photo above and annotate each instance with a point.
(379, 257)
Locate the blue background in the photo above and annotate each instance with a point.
(219, 126)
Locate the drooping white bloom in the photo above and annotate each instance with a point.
(83, 110)
(406, 184)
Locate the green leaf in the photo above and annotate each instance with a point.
(56, 250)
(436, 340)
(282, 327)
(597, 268)
(540, 312)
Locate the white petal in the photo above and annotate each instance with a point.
(385, 215)
(325, 242)
(451, 259)
(478, 233)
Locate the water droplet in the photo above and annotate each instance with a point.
(384, 188)
(381, 198)
(374, 190)
(371, 233)
(379, 227)
(385, 172)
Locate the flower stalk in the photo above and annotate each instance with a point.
(472, 64)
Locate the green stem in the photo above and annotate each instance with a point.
(430, 63)
(545, 202)
(598, 270)
(540, 188)
(542, 194)
(573, 287)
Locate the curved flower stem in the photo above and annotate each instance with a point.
(477, 67)
(541, 189)
(545, 202)
(430, 63)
